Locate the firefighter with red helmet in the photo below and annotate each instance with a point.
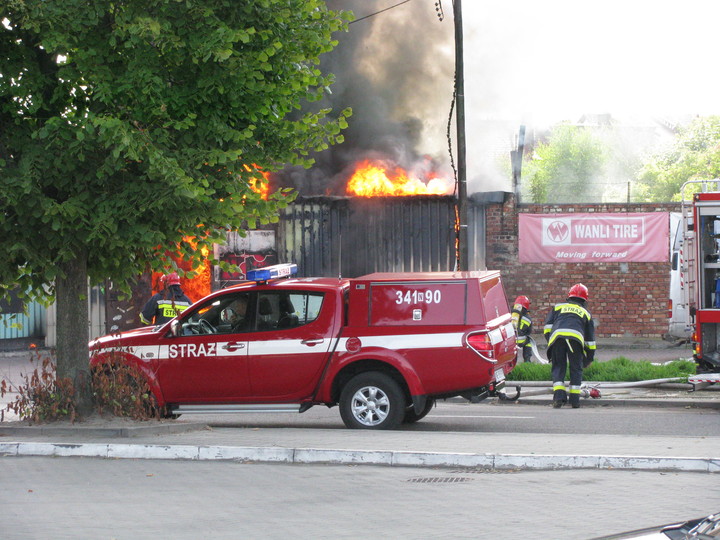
(570, 332)
(168, 303)
(523, 325)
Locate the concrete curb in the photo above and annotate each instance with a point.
(99, 431)
(358, 457)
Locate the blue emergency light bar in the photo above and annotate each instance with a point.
(272, 272)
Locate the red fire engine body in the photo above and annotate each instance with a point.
(700, 273)
(383, 347)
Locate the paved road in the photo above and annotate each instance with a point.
(78, 498)
(83, 498)
(493, 417)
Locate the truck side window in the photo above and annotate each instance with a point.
(228, 314)
(278, 310)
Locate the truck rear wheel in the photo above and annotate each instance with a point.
(372, 400)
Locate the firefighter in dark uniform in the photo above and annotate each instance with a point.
(570, 332)
(166, 304)
(523, 326)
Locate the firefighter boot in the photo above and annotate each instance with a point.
(575, 401)
(559, 397)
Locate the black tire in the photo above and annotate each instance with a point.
(156, 411)
(166, 414)
(372, 400)
(411, 416)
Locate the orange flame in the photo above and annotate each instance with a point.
(195, 288)
(261, 187)
(372, 179)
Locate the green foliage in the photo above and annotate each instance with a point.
(694, 156)
(564, 168)
(578, 164)
(616, 370)
(530, 371)
(128, 128)
(123, 391)
(43, 397)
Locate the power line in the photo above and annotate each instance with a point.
(378, 12)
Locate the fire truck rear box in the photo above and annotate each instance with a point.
(383, 347)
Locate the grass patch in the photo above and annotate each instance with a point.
(619, 369)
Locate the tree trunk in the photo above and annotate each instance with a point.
(73, 329)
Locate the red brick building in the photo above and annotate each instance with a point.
(626, 298)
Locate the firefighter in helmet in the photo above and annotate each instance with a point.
(523, 325)
(570, 332)
(168, 303)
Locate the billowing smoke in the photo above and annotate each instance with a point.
(395, 70)
(533, 64)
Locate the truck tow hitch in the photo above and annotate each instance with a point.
(502, 396)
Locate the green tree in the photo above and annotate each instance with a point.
(695, 155)
(128, 127)
(564, 168)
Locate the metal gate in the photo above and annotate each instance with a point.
(19, 320)
(332, 236)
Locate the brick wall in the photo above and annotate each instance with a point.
(626, 298)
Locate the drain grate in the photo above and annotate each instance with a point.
(440, 480)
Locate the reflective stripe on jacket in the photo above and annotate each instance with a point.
(571, 320)
(162, 309)
(523, 327)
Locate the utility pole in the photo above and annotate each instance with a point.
(462, 233)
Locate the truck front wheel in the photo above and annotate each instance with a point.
(372, 400)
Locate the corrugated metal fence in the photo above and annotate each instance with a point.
(329, 236)
(96, 317)
(15, 325)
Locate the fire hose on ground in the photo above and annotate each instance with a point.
(591, 390)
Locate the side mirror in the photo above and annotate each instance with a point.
(175, 328)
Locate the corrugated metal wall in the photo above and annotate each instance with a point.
(96, 314)
(476, 237)
(329, 236)
(20, 325)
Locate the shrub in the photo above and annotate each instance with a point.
(117, 389)
(122, 390)
(42, 397)
(617, 370)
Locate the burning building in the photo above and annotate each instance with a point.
(384, 199)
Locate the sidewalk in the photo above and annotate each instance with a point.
(191, 438)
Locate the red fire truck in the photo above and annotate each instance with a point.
(700, 272)
(383, 347)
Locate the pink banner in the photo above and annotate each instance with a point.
(573, 238)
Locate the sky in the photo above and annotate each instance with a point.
(552, 60)
(526, 63)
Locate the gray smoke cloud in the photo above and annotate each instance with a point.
(396, 71)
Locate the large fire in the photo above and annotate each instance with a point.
(195, 288)
(374, 179)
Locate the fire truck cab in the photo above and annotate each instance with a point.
(700, 269)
